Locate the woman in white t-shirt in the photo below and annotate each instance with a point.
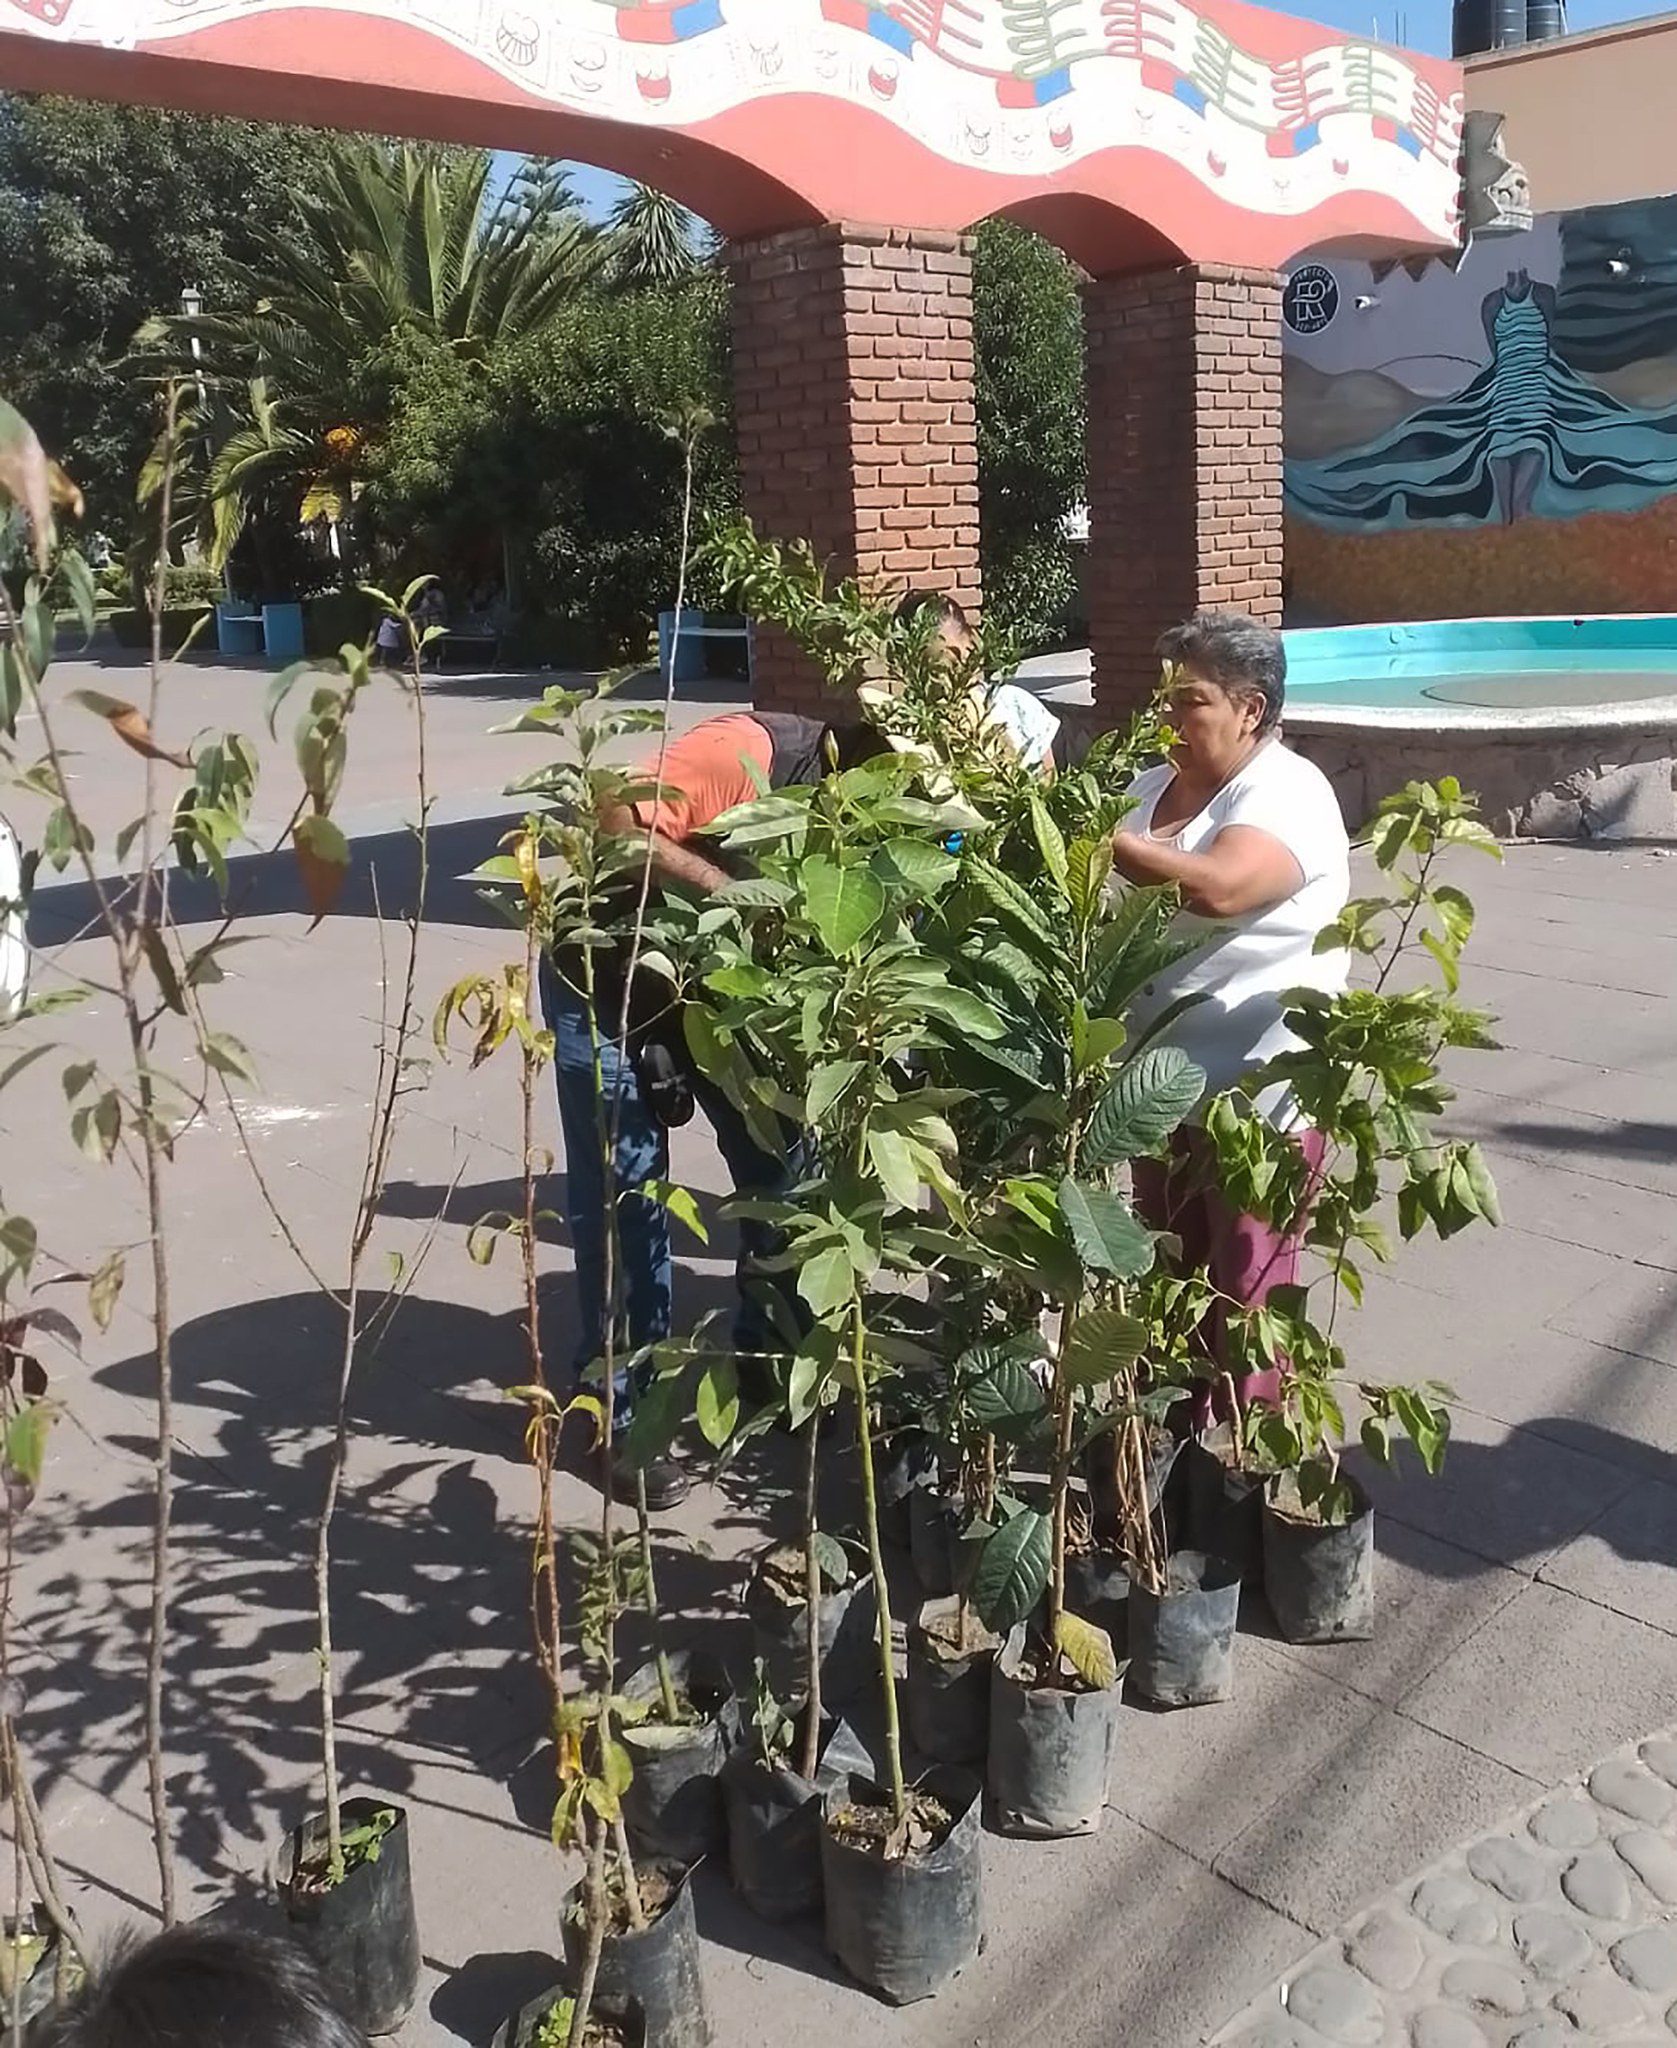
(1252, 835)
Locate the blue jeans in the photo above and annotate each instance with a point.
(643, 1153)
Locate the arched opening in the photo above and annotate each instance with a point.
(1101, 239)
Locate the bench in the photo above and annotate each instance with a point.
(482, 641)
(696, 629)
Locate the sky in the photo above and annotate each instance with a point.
(1422, 24)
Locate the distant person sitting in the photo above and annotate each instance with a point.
(202, 1987)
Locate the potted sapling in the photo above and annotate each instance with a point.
(1112, 1531)
(994, 1405)
(1074, 956)
(811, 1619)
(811, 1613)
(829, 996)
(1365, 1072)
(345, 1882)
(627, 1925)
(627, 1928)
(777, 1775)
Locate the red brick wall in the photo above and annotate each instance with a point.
(853, 389)
(1184, 461)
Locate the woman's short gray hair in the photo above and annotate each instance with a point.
(1237, 653)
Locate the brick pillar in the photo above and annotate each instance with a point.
(853, 393)
(1184, 461)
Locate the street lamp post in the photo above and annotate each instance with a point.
(192, 305)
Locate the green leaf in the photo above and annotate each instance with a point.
(84, 591)
(1012, 1570)
(826, 1085)
(1004, 1395)
(156, 951)
(844, 904)
(756, 892)
(26, 1441)
(963, 1012)
(718, 1405)
(827, 1281)
(678, 1202)
(912, 865)
(1107, 1237)
(1051, 844)
(1484, 1187)
(224, 1052)
(1087, 1649)
(1145, 1103)
(322, 860)
(18, 1245)
(97, 1126)
(617, 1771)
(893, 1160)
(812, 1364)
(831, 1558)
(1103, 1341)
(1088, 865)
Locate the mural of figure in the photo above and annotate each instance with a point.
(1518, 320)
(1527, 436)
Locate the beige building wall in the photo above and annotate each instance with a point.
(1593, 118)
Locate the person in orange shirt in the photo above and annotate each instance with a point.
(706, 771)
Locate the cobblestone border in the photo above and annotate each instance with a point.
(1557, 1931)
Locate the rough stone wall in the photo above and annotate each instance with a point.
(1602, 785)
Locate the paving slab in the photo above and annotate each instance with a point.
(1381, 1797)
(1627, 1560)
(1508, 1495)
(1547, 1679)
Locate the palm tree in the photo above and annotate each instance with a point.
(400, 248)
(650, 240)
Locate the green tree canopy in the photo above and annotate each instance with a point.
(106, 215)
(653, 239)
(562, 449)
(1032, 427)
(399, 252)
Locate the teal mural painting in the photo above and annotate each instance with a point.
(1528, 436)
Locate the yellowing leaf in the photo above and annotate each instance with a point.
(323, 860)
(105, 1289)
(26, 478)
(129, 724)
(1088, 1650)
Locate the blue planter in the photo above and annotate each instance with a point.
(238, 631)
(282, 631)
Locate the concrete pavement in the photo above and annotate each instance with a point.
(1528, 1605)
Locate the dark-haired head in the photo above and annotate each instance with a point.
(203, 1987)
(948, 618)
(1245, 659)
(946, 610)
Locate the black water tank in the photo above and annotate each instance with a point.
(1545, 19)
(1486, 25)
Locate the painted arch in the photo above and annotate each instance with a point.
(1137, 131)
